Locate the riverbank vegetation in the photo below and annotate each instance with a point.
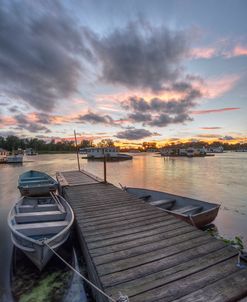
(67, 146)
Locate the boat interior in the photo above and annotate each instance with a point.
(39, 217)
(169, 202)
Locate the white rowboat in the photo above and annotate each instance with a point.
(37, 221)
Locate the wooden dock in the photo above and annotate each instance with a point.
(139, 250)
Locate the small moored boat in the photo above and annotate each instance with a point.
(35, 183)
(14, 159)
(196, 212)
(38, 221)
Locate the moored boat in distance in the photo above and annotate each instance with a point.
(184, 152)
(110, 153)
(14, 159)
(36, 222)
(35, 183)
(196, 212)
(30, 152)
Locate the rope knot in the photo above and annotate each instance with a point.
(122, 298)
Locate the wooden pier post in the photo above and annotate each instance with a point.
(77, 152)
(104, 166)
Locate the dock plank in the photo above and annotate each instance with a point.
(159, 278)
(144, 252)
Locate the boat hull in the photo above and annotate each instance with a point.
(39, 254)
(199, 220)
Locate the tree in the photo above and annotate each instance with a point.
(104, 143)
(86, 143)
(149, 145)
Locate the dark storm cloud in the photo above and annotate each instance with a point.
(94, 118)
(164, 120)
(39, 43)
(22, 122)
(44, 118)
(140, 117)
(135, 134)
(160, 113)
(140, 55)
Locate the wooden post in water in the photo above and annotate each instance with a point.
(104, 166)
(77, 152)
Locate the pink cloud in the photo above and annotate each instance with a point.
(223, 49)
(239, 51)
(215, 87)
(214, 110)
(203, 53)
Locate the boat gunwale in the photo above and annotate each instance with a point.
(192, 215)
(174, 195)
(48, 177)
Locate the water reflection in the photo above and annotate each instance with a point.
(29, 284)
(218, 179)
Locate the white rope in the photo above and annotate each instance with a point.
(121, 298)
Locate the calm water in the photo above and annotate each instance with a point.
(221, 179)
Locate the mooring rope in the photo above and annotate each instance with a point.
(122, 298)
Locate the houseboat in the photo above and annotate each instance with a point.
(186, 152)
(30, 152)
(110, 153)
(219, 149)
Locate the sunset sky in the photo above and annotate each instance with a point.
(127, 70)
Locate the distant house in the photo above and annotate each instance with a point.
(3, 153)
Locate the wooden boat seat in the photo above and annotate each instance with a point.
(41, 228)
(187, 209)
(145, 197)
(38, 208)
(39, 216)
(33, 178)
(163, 202)
(27, 182)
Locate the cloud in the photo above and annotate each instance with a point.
(209, 135)
(203, 53)
(223, 49)
(227, 138)
(210, 128)
(38, 61)
(94, 118)
(22, 122)
(135, 134)
(214, 110)
(140, 55)
(239, 50)
(160, 113)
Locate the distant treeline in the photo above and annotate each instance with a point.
(13, 143)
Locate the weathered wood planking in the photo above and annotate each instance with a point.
(139, 250)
